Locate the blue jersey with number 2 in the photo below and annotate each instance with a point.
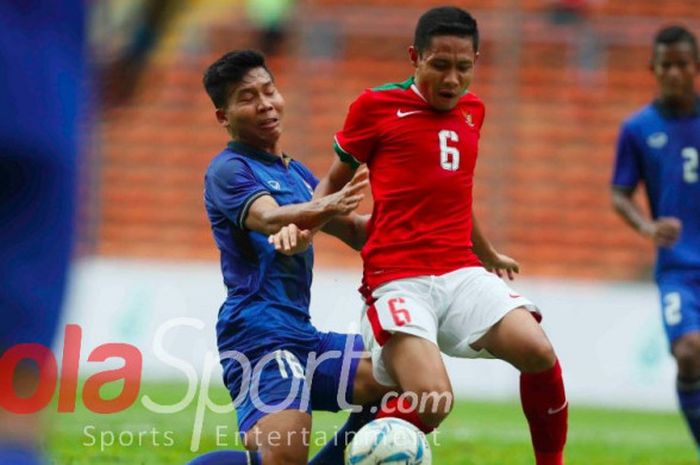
(662, 151)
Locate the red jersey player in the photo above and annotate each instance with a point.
(425, 261)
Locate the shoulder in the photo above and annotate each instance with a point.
(473, 108)
(227, 164)
(367, 100)
(394, 86)
(368, 108)
(639, 118)
(472, 101)
(471, 104)
(376, 96)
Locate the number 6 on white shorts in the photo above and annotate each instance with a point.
(398, 311)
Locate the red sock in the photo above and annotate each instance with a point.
(546, 409)
(404, 411)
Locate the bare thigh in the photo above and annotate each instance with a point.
(416, 364)
(519, 340)
(282, 438)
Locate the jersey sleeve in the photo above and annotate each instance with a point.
(627, 172)
(232, 188)
(483, 116)
(356, 141)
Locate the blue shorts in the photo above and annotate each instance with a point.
(316, 377)
(680, 303)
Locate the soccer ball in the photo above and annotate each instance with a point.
(388, 441)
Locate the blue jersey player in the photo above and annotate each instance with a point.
(659, 146)
(270, 350)
(41, 51)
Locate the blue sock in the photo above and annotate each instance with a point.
(227, 457)
(13, 454)
(689, 399)
(334, 450)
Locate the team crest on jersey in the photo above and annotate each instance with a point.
(468, 119)
(274, 184)
(657, 140)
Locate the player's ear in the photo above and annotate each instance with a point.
(413, 55)
(476, 57)
(652, 60)
(221, 118)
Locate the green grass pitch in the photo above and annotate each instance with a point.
(476, 433)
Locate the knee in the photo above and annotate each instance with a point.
(538, 356)
(435, 409)
(434, 401)
(687, 354)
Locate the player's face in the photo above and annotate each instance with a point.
(444, 69)
(253, 114)
(675, 67)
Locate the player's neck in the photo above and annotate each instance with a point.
(271, 148)
(274, 150)
(683, 106)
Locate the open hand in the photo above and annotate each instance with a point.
(291, 240)
(349, 197)
(502, 265)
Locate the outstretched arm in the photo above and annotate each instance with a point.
(664, 231)
(338, 176)
(350, 229)
(267, 217)
(492, 260)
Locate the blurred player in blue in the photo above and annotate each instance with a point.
(658, 146)
(253, 190)
(41, 51)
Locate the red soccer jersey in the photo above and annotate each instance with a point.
(421, 164)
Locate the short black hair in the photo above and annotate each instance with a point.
(445, 21)
(673, 35)
(230, 70)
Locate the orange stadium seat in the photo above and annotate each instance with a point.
(546, 147)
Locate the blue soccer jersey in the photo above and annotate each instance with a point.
(253, 271)
(264, 331)
(41, 52)
(661, 150)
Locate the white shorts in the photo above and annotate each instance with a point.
(452, 311)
